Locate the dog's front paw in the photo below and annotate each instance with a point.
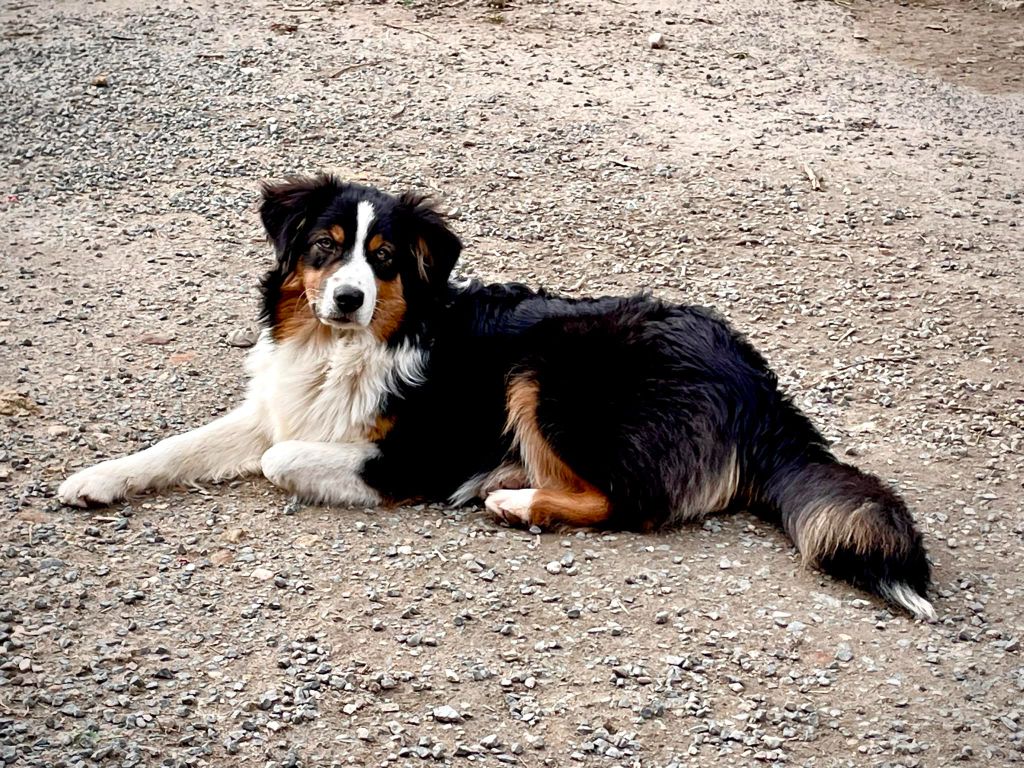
(94, 487)
(511, 506)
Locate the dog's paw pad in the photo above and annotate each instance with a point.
(511, 506)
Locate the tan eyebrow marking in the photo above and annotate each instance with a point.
(375, 242)
(337, 233)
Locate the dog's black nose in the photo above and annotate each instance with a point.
(347, 299)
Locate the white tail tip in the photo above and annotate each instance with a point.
(903, 594)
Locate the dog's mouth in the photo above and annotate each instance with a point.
(339, 321)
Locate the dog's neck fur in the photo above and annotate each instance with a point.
(331, 388)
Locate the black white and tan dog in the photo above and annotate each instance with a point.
(378, 380)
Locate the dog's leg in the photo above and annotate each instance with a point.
(555, 494)
(547, 508)
(322, 473)
(228, 447)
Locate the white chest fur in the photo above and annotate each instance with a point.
(327, 391)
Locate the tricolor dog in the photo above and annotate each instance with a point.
(377, 380)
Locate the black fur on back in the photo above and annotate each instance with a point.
(651, 403)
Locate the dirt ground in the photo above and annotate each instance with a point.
(844, 181)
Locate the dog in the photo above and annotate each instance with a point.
(377, 379)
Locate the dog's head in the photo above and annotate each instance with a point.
(350, 256)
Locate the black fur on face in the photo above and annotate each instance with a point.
(406, 237)
(288, 208)
(425, 234)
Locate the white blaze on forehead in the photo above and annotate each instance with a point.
(355, 272)
(364, 218)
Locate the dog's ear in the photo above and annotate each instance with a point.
(435, 247)
(290, 207)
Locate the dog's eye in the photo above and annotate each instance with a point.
(325, 243)
(382, 256)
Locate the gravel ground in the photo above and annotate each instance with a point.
(223, 626)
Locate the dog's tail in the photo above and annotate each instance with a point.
(852, 526)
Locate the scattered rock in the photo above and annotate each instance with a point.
(15, 404)
(223, 557)
(243, 337)
(156, 339)
(446, 714)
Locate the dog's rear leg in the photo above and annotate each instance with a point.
(228, 447)
(547, 508)
(558, 495)
(322, 473)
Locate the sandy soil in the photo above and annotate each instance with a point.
(843, 181)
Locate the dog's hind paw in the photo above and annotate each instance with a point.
(511, 506)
